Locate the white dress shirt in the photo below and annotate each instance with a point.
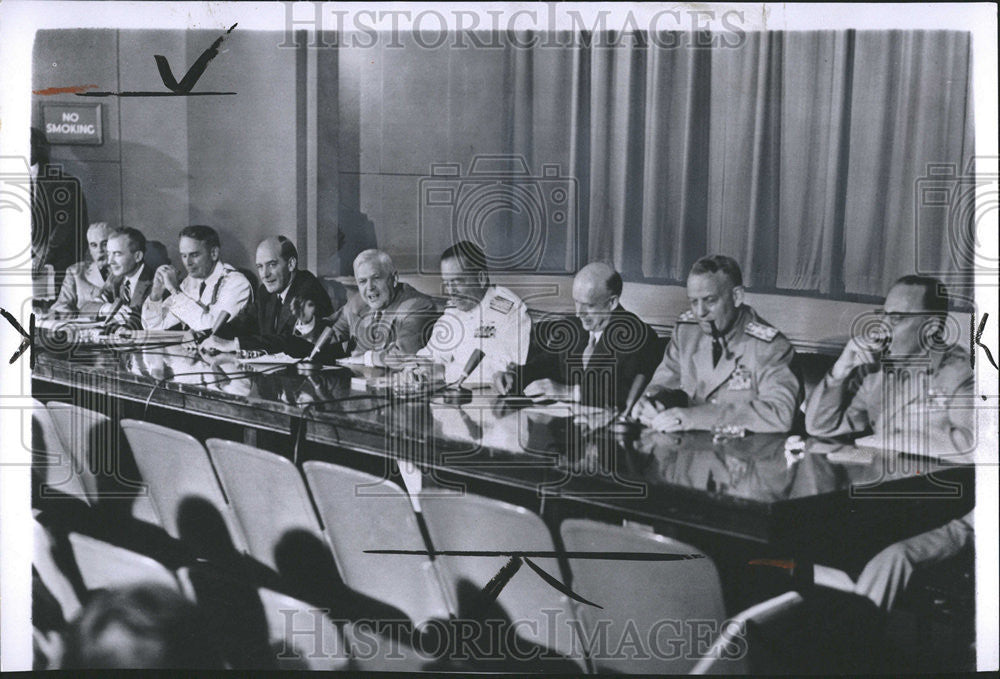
(226, 289)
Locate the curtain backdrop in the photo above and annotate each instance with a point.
(797, 153)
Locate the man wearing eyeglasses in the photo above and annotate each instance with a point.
(902, 381)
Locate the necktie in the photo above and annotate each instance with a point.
(589, 350)
(127, 291)
(379, 334)
(104, 273)
(201, 290)
(277, 315)
(716, 350)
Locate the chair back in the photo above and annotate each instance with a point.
(302, 636)
(669, 606)
(183, 486)
(106, 566)
(266, 493)
(44, 562)
(85, 435)
(360, 512)
(54, 470)
(473, 523)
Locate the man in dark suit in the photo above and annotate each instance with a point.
(131, 279)
(593, 357)
(273, 329)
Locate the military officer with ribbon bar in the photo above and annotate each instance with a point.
(479, 316)
(725, 367)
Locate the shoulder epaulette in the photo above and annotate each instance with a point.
(761, 331)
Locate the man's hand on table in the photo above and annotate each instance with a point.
(546, 389)
(217, 345)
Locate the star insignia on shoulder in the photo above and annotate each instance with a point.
(760, 331)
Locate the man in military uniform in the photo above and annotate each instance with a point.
(888, 381)
(385, 318)
(210, 289)
(479, 316)
(725, 367)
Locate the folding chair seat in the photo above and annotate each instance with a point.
(543, 616)
(267, 495)
(671, 607)
(183, 487)
(44, 562)
(302, 637)
(106, 566)
(360, 512)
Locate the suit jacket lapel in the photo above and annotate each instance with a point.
(93, 275)
(284, 312)
(139, 293)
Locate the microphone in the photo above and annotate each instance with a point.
(119, 303)
(633, 394)
(624, 423)
(475, 358)
(321, 341)
(456, 394)
(202, 335)
(219, 322)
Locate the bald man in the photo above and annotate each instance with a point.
(593, 357)
(386, 317)
(81, 288)
(273, 328)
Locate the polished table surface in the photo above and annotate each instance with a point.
(750, 488)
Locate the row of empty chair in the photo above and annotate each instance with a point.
(232, 499)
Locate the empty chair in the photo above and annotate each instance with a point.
(106, 566)
(302, 637)
(663, 600)
(268, 512)
(184, 488)
(543, 616)
(361, 512)
(53, 468)
(85, 435)
(99, 463)
(674, 608)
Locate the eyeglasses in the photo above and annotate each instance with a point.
(895, 317)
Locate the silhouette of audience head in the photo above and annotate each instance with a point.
(142, 627)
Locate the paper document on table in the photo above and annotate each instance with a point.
(565, 409)
(270, 359)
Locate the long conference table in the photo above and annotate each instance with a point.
(831, 503)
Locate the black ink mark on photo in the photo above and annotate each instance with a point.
(177, 89)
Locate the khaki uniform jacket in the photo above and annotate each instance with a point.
(752, 386)
(929, 406)
(81, 289)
